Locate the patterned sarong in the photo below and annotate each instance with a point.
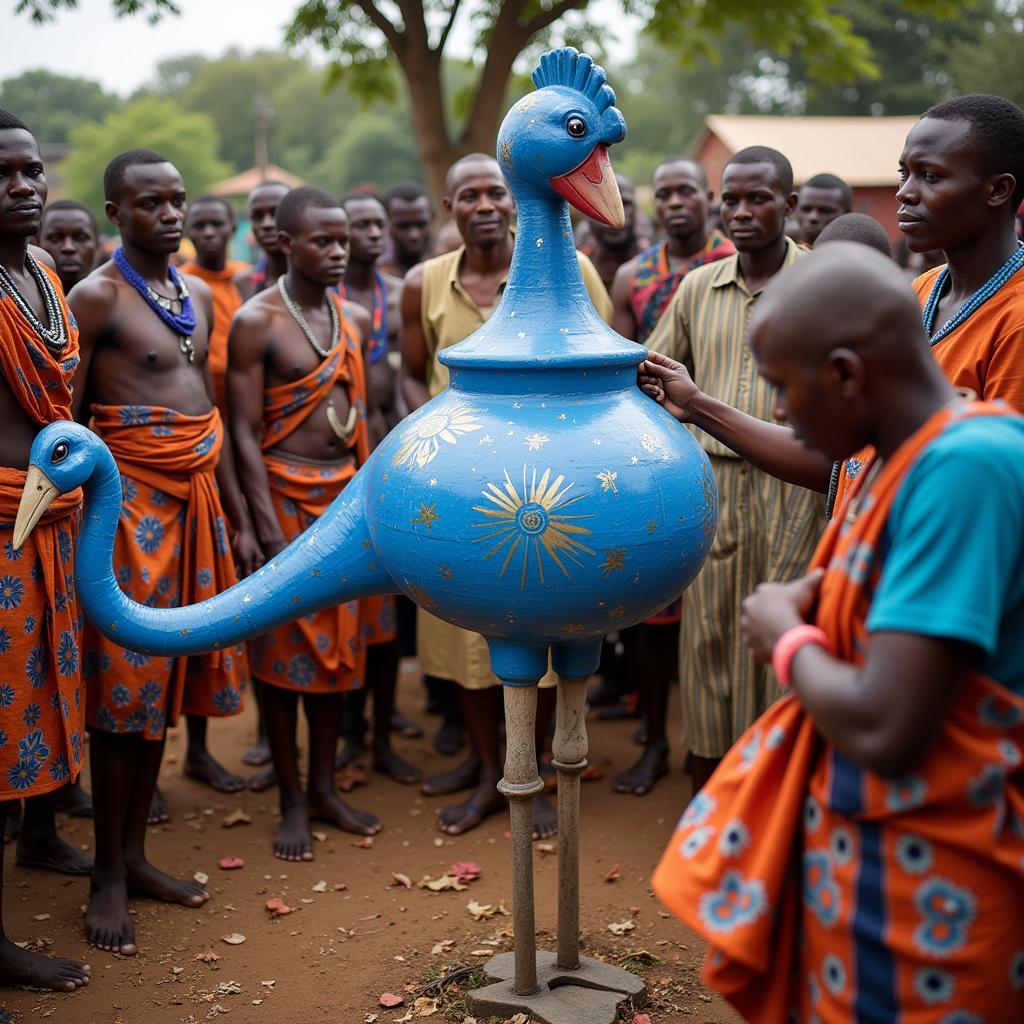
(171, 549)
(655, 282)
(323, 652)
(829, 894)
(41, 709)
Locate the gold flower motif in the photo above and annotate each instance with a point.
(614, 561)
(536, 441)
(534, 522)
(608, 478)
(648, 443)
(420, 443)
(428, 515)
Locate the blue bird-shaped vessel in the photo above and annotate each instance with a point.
(541, 500)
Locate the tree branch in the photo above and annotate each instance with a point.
(448, 26)
(390, 33)
(550, 16)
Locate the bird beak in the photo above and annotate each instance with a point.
(39, 492)
(593, 190)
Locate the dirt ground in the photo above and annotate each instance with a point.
(355, 932)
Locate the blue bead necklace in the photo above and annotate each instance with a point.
(974, 303)
(184, 323)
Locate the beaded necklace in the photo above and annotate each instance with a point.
(974, 303)
(296, 311)
(184, 323)
(377, 348)
(54, 336)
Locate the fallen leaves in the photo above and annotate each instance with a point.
(440, 884)
(621, 927)
(465, 871)
(278, 907)
(234, 939)
(399, 879)
(389, 1000)
(442, 947)
(320, 886)
(424, 1007)
(236, 817)
(208, 956)
(613, 875)
(482, 911)
(41, 917)
(228, 988)
(230, 863)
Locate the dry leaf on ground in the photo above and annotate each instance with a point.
(424, 1006)
(234, 939)
(320, 886)
(481, 911)
(613, 875)
(621, 927)
(369, 1018)
(389, 1000)
(208, 957)
(201, 877)
(236, 817)
(544, 848)
(443, 946)
(399, 879)
(442, 883)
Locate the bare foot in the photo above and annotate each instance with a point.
(263, 780)
(108, 925)
(387, 761)
(461, 777)
(330, 807)
(448, 738)
(545, 818)
(642, 777)
(258, 754)
(405, 727)
(484, 801)
(293, 840)
(150, 882)
(158, 813)
(20, 967)
(205, 768)
(51, 853)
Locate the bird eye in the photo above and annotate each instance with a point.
(576, 127)
(60, 452)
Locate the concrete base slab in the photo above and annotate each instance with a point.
(589, 995)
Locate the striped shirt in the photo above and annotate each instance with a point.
(705, 328)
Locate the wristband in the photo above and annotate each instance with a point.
(788, 644)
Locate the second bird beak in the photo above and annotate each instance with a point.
(36, 498)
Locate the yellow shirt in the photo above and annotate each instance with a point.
(449, 314)
(705, 327)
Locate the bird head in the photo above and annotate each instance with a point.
(557, 138)
(62, 458)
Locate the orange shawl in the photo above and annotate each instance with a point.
(834, 895)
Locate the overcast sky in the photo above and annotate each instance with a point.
(122, 53)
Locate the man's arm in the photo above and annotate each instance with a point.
(92, 303)
(363, 324)
(413, 342)
(245, 547)
(770, 447)
(623, 319)
(248, 347)
(243, 282)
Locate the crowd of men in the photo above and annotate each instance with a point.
(238, 400)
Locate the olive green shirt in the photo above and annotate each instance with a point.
(705, 327)
(449, 314)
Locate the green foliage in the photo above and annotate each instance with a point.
(41, 11)
(370, 150)
(52, 105)
(188, 140)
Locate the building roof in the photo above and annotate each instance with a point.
(863, 151)
(242, 184)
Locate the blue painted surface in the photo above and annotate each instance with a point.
(542, 500)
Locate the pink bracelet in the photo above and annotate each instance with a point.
(788, 644)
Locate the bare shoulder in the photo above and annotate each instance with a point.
(98, 289)
(199, 288)
(256, 313)
(359, 316)
(392, 284)
(42, 256)
(414, 279)
(627, 270)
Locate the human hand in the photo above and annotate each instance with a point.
(774, 608)
(247, 552)
(669, 383)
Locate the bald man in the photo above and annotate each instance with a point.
(904, 647)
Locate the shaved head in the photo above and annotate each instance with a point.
(839, 338)
(458, 169)
(684, 163)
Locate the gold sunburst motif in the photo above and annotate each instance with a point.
(608, 478)
(428, 515)
(614, 561)
(421, 442)
(533, 523)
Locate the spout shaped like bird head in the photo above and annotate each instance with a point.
(556, 139)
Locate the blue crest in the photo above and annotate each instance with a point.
(568, 67)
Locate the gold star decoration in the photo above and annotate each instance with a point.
(536, 441)
(608, 478)
(428, 515)
(614, 561)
